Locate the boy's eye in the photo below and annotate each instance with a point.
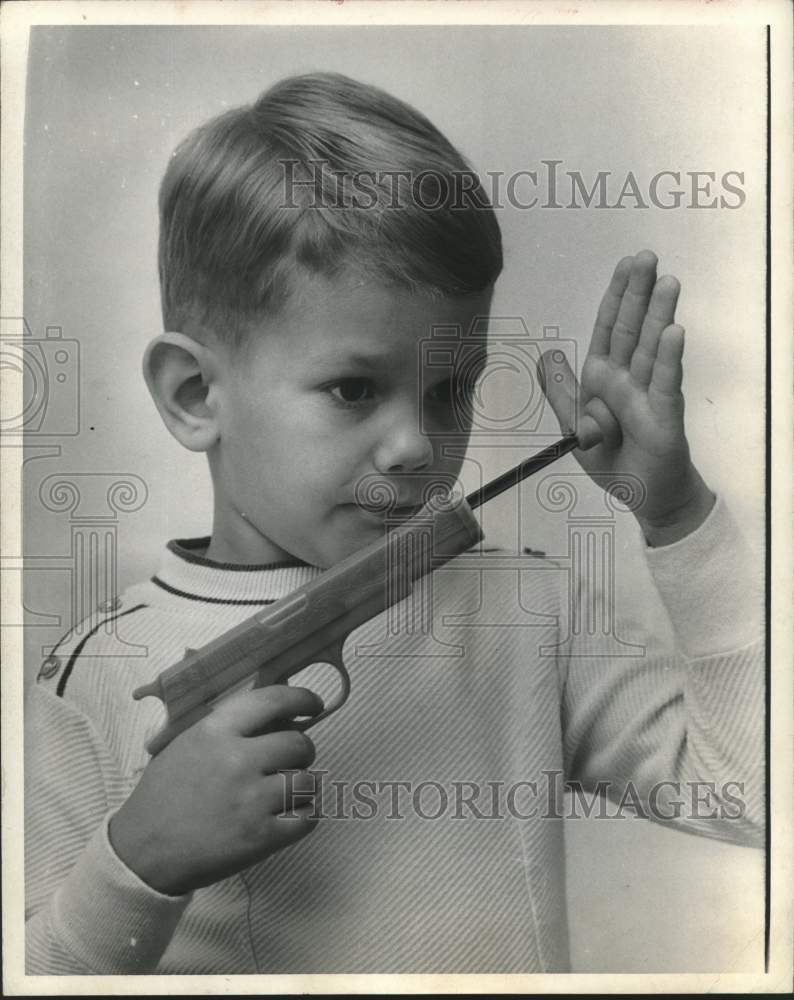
(442, 392)
(453, 390)
(353, 390)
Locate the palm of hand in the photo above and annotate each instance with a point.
(650, 445)
(630, 407)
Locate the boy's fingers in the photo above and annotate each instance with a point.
(633, 308)
(661, 313)
(667, 369)
(610, 305)
(588, 432)
(286, 749)
(251, 712)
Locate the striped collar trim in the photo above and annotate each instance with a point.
(187, 574)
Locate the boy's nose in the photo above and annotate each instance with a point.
(404, 449)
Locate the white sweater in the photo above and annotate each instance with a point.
(479, 701)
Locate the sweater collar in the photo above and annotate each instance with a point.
(186, 572)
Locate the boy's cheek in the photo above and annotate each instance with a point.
(453, 429)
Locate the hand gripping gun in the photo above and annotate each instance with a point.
(311, 624)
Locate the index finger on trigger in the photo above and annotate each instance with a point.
(254, 711)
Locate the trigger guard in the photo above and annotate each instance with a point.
(336, 704)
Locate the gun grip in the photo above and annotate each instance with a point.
(171, 730)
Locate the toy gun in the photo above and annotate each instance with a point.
(311, 624)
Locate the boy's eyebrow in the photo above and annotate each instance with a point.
(376, 361)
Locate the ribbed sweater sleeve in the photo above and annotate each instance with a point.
(86, 911)
(680, 732)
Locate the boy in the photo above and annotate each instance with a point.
(300, 272)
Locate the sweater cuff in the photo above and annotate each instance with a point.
(110, 919)
(711, 586)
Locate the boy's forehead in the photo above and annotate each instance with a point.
(372, 322)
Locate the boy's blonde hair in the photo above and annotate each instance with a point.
(321, 173)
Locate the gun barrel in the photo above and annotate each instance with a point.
(526, 468)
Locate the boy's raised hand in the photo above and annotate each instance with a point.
(215, 801)
(629, 405)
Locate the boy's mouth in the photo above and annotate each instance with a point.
(387, 502)
(381, 513)
(381, 499)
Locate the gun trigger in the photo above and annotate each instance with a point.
(332, 655)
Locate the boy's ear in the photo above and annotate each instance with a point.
(180, 373)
